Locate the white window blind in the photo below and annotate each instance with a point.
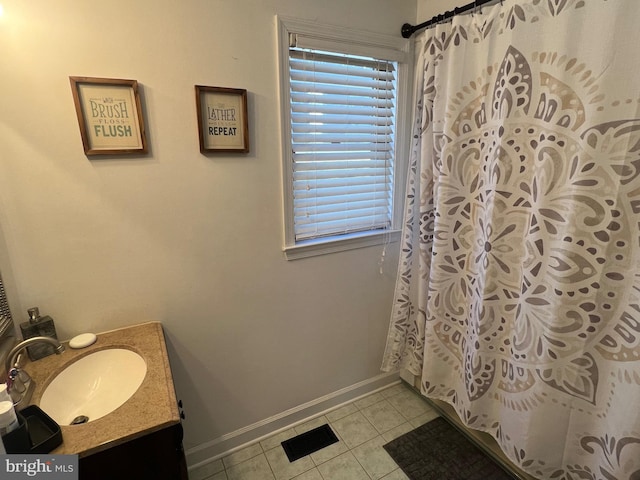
(342, 138)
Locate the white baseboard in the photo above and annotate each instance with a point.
(201, 455)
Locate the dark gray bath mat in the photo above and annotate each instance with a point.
(437, 451)
(308, 442)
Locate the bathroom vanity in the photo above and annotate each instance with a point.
(141, 439)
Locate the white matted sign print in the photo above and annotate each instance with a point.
(222, 119)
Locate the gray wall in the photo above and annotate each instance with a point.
(192, 241)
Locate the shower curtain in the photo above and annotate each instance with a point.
(518, 292)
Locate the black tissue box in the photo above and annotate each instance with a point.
(37, 433)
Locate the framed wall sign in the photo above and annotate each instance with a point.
(109, 115)
(222, 119)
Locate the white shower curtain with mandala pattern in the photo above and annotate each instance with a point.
(518, 290)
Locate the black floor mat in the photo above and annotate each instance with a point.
(437, 451)
(308, 442)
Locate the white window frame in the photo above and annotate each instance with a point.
(351, 42)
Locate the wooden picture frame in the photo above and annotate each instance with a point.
(222, 119)
(109, 115)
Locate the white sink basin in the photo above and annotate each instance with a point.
(94, 385)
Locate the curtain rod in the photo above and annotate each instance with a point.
(408, 29)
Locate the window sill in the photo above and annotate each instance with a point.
(312, 248)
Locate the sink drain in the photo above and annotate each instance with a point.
(79, 419)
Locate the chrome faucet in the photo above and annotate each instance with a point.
(19, 383)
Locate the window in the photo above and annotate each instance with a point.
(341, 111)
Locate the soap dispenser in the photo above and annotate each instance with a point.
(38, 326)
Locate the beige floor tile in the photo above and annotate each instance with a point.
(424, 418)
(374, 459)
(409, 404)
(256, 468)
(313, 474)
(362, 427)
(396, 475)
(217, 476)
(354, 429)
(398, 431)
(206, 471)
(383, 416)
(343, 467)
(282, 468)
(391, 391)
(369, 400)
(242, 455)
(341, 412)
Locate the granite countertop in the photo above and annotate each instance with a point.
(152, 408)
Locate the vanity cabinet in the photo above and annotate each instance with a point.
(155, 456)
(142, 438)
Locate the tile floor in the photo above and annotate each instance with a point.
(362, 428)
